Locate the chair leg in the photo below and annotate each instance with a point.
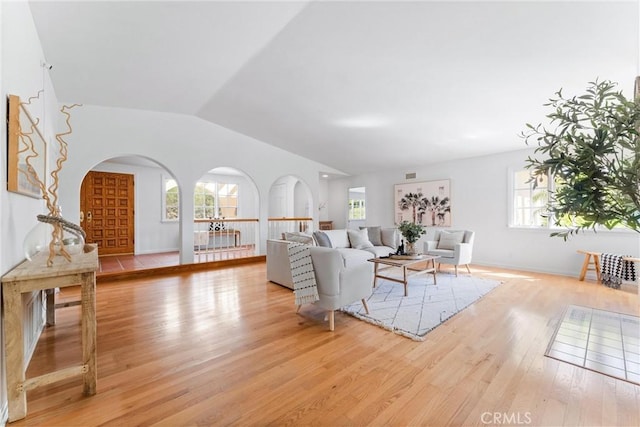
(332, 320)
(364, 303)
(455, 267)
(468, 269)
(298, 309)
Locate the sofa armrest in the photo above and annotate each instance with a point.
(462, 253)
(356, 283)
(430, 245)
(278, 268)
(328, 266)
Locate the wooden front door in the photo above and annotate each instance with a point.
(106, 206)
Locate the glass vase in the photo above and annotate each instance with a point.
(37, 240)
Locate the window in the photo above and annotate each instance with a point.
(215, 200)
(357, 209)
(171, 200)
(210, 200)
(529, 200)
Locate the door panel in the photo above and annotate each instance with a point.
(106, 201)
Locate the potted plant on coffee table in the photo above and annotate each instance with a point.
(411, 233)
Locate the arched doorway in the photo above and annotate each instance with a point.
(290, 203)
(225, 215)
(123, 211)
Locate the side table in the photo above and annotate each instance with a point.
(34, 275)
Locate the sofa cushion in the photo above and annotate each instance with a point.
(359, 239)
(449, 239)
(375, 235)
(379, 251)
(389, 237)
(442, 253)
(353, 257)
(298, 237)
(338, 238)
(322, 239)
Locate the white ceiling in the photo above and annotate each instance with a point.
(359, 86)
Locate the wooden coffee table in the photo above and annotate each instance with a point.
(410, 268)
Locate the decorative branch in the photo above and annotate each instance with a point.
(50, 195)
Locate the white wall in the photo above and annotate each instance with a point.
(187, 147)
(22, 75)
(152, 234)
(479, 202)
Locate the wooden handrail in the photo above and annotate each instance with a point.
(227, 220)
(291, 219)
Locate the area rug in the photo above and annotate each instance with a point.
(427, 305)
(603, 341)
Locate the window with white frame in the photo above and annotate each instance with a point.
(210, 200)
(215, 200)
(357, 209)
(529, 200)
(171, 200)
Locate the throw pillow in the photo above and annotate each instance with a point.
(322, 239)
(449, 239)
(359, 239)
(375, 235)
(298, 237)
(389, 237)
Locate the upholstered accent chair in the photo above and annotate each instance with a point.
(339, 285)
(454, 247)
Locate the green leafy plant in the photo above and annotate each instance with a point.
(593, 154)
(411, 231)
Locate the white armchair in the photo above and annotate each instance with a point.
(455, 247)
(339, 285)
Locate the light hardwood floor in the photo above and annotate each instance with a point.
(225, 347)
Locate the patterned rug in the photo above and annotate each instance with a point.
(427, 305)
(599, 340)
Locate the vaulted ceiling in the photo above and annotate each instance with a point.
(359, 86)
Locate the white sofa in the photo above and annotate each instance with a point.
(278, 270)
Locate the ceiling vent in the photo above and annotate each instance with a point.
(411, 175)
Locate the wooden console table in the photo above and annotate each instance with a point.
(34, 275)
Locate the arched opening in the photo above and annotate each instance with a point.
(290, 203)
(122, 210)
(225, 216)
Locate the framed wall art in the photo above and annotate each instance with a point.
(26, 147)
(427, 203)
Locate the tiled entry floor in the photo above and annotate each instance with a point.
(602, 341)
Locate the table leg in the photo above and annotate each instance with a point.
(51, 306)
(406, 282)
(596, 261)
(375, 274)
(16, 395)
(89, 339)
(433, 264)
(585, 266)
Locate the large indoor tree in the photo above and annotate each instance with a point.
(591, 151)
